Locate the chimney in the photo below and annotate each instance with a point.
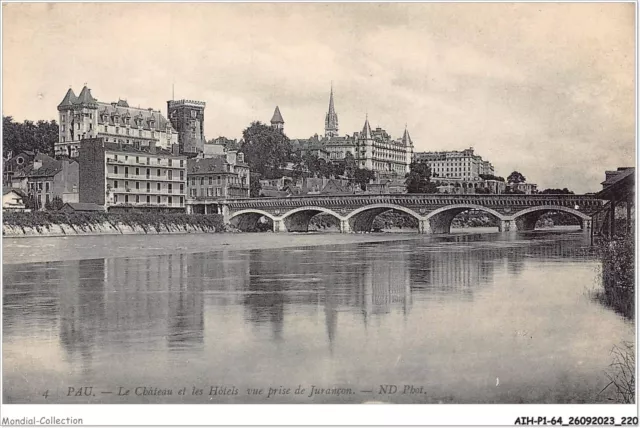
(37, 164)
(152, 146)
(231, 157)
(175, 149)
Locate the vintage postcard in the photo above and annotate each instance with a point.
(318, 204)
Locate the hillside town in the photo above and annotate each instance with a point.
(111, 156)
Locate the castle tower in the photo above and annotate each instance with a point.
(277, 122)
(78, 120)
(187, 118)
(331, 120)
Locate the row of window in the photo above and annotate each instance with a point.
(208, 192)
(138, 199)
(147, 160)
(37, 186)
(148, 175)
(148, 186)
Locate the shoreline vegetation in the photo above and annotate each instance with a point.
(618, 293)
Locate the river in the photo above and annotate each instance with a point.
(463, 318)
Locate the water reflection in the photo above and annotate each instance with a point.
(106, 310)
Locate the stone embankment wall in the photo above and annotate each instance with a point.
(69, 224)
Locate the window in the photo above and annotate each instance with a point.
(193, 181)
(126, 158)
(90, 126)
(193, 193)
(181, 163)
(158, 173)
(117, 132)
(148, 159)
(115, 199)
(127, 131)
(137, 159)
(148, 187)
(181, 201)
(62, 120)
(126, 199)
(115, 184)
(137, 185)
(47, 198)
(194, 114)
(148, 172)
(126, 171)
(62, 128)
(158, 161)
(148, 199)
(181, 188)
(169, 162)
(140, 133)
(181, 175)
(47, 186)
(106, 128)
(169, 200)
(170, 188)
(126, 185)
(137, 171)
(210, 180)
(115, 157)
(218, 180)
(137, 199)
(158, 199)
(158, 186)
(170, 175)
(202, 181)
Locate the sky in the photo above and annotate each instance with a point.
(545, 89)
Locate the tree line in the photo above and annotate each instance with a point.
(17, 137)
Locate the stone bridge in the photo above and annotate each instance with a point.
(434, 213)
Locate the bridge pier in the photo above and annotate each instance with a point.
(345, 227)
(507, 226)
(585, 225)
(279, 226)
(424, 227)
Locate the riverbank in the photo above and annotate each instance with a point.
(60, 223)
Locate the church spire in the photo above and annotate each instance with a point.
(331, 120)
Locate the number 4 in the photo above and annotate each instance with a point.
(46, 394)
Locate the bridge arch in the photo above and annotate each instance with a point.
(297, 219)
(440, 219)
(248, 220)
(361, 219)
(526, 219)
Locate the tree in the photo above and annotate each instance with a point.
(564, 191)
(491, 177)
(56, 204)
(363, 176)
(418, 179)
(254, 185)
(350, 165)
(515, 177)
(18, 137)
(266, 150)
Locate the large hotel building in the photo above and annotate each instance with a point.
(116, 175)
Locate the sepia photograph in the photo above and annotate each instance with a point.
(318, 203)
